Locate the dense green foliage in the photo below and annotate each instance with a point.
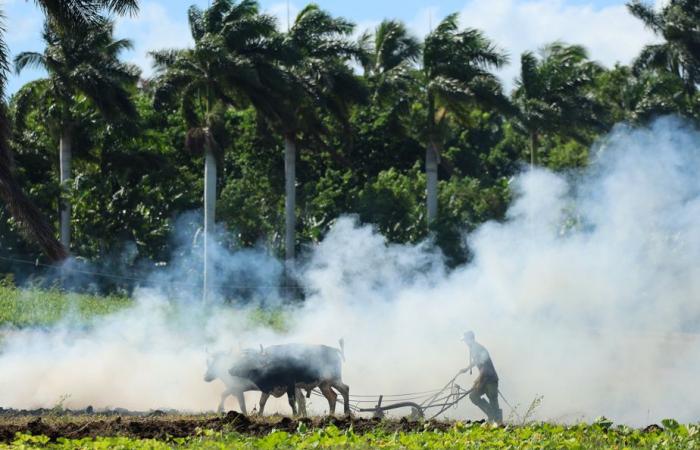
(461, 436)
(71, 15)
(246, 86)
(32, 307)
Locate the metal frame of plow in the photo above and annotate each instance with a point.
(439, 400)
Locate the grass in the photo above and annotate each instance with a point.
(460, 436)
(34, 307)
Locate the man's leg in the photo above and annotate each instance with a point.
(475, 397)
(492, 395)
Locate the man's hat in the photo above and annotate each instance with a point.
(468, 336)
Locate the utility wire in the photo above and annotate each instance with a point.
(138, 279)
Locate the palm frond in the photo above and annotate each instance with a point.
(655, 56)
(190, 95)
(366, 55)
(529, 82)
(25, 99)
(114, 48)
(69, 13)
(245, 9)
(121, 7)
(29, 59)
(195, 18)
(553, 93)
(163, 59)
(394, 46)
(314, 28)
(457, 68)
(447, 26)
(169, 85)
(214, 15)
(4, 56)
(85, 61)
(646, 13)
(247, 34)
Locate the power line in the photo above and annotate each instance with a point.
(68, 269)
(116, 276)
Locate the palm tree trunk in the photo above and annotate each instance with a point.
(32, 222)
(431, 176)
(209, 212)
(290, 153)
(65, 162)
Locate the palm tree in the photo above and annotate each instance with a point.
(642, 97)
(224, 68)
(81, 63)
(677, 23)
(68, 14)
(554, 94)
(455, 75)
(314, 62)
(389, 59)
(22, 209)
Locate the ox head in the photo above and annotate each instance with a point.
(217, 365)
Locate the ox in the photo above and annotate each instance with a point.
(292, 366)
(218, 365)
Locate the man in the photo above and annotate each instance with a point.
(486, 382)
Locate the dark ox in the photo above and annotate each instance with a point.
(289, 367)
(218, 365)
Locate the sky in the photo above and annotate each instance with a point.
(605, 27)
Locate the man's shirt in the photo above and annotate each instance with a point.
(480, 357)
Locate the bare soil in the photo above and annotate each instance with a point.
(169, 425)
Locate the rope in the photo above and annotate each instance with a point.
(86, 272)
(509, 405)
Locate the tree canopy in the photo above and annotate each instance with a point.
(364, 113)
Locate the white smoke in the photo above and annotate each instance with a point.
(586, 294)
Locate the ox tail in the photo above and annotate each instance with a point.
(341, 350)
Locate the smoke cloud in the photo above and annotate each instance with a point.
(587, 294)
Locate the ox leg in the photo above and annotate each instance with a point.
(301, 402)
(331, 396)
(263, 400)
(241, 403)
(291, 396)
(224, 395)
(344, 390)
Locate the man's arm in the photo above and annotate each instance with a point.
(467, 369)
(472, 364)
(476, 357)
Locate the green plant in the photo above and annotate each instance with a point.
(59, 407)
